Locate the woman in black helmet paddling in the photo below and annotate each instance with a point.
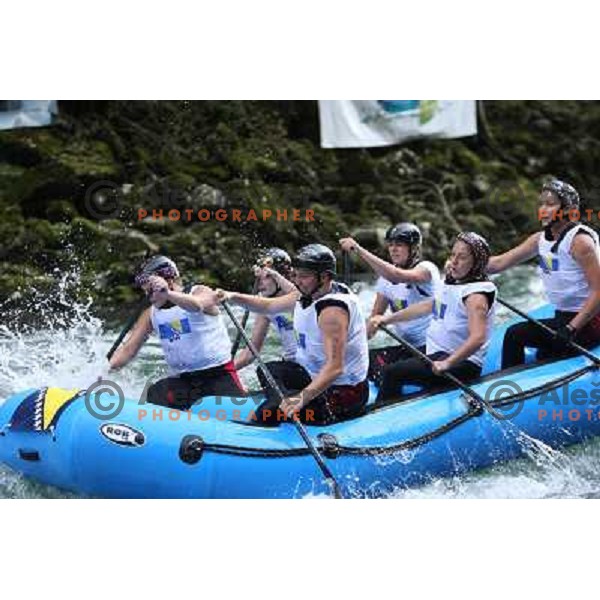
(462, 321)
(407, 280)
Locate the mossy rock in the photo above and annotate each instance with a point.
(81, 156)
(60, 211)
(267, 155)
(10, 175)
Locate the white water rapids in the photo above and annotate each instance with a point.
(70, 353)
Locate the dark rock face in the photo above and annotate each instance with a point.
(86, 193)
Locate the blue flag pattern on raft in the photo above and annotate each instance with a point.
(174, 330)
(41, 409)
(28, 416)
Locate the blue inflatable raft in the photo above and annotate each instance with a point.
(217, 450)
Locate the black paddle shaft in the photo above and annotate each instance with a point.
(480, 402)
(270, 379)
(347, 268)
(551, 331)
(139, 310)
(238, 338)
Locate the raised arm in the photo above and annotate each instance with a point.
(285, 284)
(202, 298)
(414, 311)
(517, 255)
(264, 306)
(385, 269)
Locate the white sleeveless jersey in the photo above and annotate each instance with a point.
(564, 280)
(284, 324)
(311, 353)
(402, 295)
(191, 341)
(449, 327)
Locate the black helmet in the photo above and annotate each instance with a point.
(315, 257)
(279, 258)
(405, 233)
(566, 193)
(162, 266)
(410, 234)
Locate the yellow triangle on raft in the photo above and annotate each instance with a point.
(54, 400)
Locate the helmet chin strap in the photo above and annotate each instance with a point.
(405, 264)
(411, 260)
(548, 229)
(307, 299)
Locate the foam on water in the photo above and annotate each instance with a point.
(69, 351)
(65, 351)
(574, 474)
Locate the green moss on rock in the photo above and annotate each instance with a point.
(259, 155)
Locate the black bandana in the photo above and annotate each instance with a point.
(565, 192)
(481, 256)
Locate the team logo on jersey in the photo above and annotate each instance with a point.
(439, 309)
(174, 330)
(398, 304)
(549, 263)
(284, 323)
(301, 338)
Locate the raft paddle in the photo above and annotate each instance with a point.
(347, 268)
(238, 338)
(479, 401)
(551, 331)
(141, 307)
(335, 488)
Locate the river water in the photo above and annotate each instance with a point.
(69, 352)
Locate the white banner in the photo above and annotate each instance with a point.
(26, 113)
(367, 123)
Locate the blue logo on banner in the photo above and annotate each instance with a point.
(398, 106)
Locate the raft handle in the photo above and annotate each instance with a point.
(29, 455)
(329, 445)
(191, 449)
